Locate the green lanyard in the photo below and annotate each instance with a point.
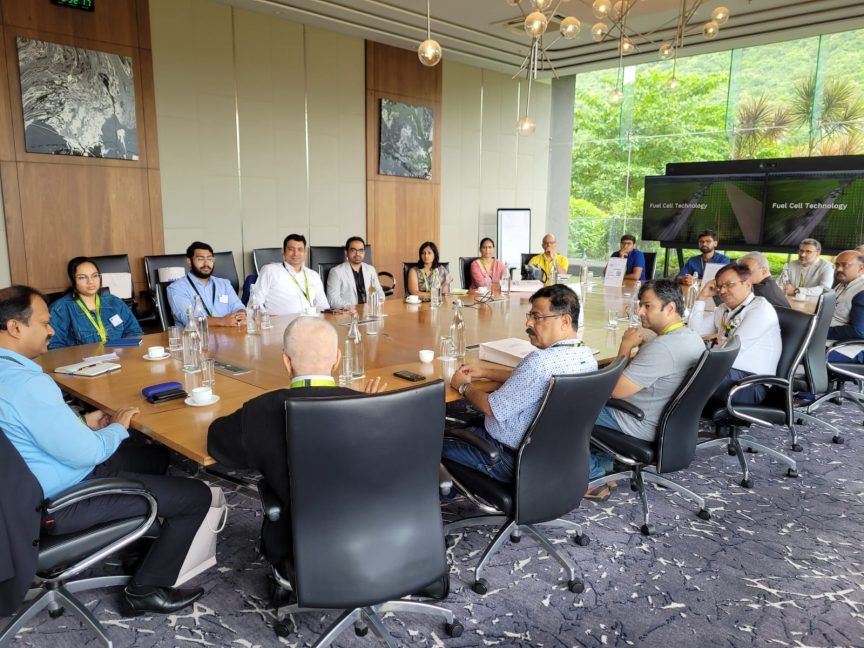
(672, 327)
(97, 323)
(426, 279)
(294, 278)
(312, 382)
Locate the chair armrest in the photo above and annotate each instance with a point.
(760, 379)
(270, 504)
(845, 343)
(91, 488)
(627, 408)
(473, 440)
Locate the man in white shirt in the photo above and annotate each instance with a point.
(749, 318)
(288, 288)
(349, 283)
(809, 275)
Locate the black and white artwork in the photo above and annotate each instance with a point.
(77, 101)
(406, 140)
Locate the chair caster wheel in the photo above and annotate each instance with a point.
(515, 538)
(746, 483)
(480, 586)
(576, 586)
(56, 614)
(838, 440)
(582, 540)
(796, 447)
(837, 400)
(361, 630)
(791, 473)
(704, 514)
(647, 529)
(752, 450)
(633, 486)
(731, 450)
(450, 541)
(454, 629)
(282, 628)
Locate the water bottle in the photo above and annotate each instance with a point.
(346, 376)
(253, 315)
(201, 321)
(584, 269)
(783, 281)
(508, 278)
(374, 311)
(435, 294)
(356, 347)
(633, 320)
(264, 317)
(457, 329)
(553, 273)
(191, 343)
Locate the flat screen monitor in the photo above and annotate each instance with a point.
(677, 208)
(828, 207)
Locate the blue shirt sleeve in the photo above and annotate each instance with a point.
(854, 330)
(178, 300)
(636, 260)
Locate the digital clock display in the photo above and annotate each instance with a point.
(86, 5)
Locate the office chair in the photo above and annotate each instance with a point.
(851, 371)
(551, 472)
(365, 514)
(323, 270)
(407, 266)
(650, 266)
(263, 256)
(60, 558)
(224, 267)
(523, 264)
(677, 433)
(319, 254)
(465, 271)
(796, 329)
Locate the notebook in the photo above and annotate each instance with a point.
(87, 368)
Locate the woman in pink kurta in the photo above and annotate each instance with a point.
(487, 270)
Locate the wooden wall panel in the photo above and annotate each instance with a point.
(60, 206)
(401, 213)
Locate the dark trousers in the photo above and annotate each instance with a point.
(183, 503)
(752, 395)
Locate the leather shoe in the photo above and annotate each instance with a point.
(148, 599)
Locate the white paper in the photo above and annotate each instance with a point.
(119, 283)
(116, 320)
(711, 271)
(508, 352)
(615, 271)
(526, 285)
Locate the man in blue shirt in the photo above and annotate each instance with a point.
(635, 258)
(707, 244)
(62, 450)
(220, 301)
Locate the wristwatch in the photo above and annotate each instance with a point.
(463, 388)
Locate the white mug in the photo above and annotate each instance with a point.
(156, 352)
(201, 395)
(412, 299)
(427, 355)
(482, 290)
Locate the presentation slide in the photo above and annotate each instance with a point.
(677, 208)
(826, 206)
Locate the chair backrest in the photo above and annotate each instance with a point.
(114, 264)
(526, 257)
(678, 428)
(815, 368)
(365, 511)
(152, 265)
(552, 461)
(224, 267)
(465, 270)
(323, 270)
(325, 254)
(163, 308)
(650, 265)
(796, 329)
(263, 256)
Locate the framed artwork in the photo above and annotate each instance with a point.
(77, 101)
(405, 146)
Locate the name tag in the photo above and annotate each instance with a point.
(116, 320)
(223, 299)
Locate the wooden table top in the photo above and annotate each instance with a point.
(397, 339)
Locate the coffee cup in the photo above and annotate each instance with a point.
(201, 395)
(156, 352)
(412, 299)
(482, 290)
(427, 355)
(800, 297)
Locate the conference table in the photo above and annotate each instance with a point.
(391, 343)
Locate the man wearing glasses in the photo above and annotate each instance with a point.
(809, 275)
(349, 283)
(508, 411)
(848, 320)
(749, 318)
(220, 301)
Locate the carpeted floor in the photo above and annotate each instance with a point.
(778, 565)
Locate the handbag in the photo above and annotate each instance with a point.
(202, 552)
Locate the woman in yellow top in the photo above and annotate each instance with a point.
(420, 276)
(486, 270)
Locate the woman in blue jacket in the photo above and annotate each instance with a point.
(83, 316)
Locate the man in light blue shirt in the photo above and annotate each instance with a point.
(62, 450)
(221, 303)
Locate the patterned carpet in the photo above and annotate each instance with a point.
(779, 565)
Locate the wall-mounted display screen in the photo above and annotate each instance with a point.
(826, 206)
(677, 208)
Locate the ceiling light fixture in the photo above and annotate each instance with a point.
(429, 51)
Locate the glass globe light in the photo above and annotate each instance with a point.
(599, 31)
(570, 27)
(541, 5)
(720, 15)
(601, 8)
(710, 29)
(672, 84)
(429, 53)
(616, 96)
(666, 51)
(618, 10)
(525, 125)
(626, 46)
(535, 24)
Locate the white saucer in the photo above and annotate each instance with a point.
(164, 357)
(413, 303)
(189, 402)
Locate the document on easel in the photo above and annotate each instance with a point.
(711, 271)
(615, 271)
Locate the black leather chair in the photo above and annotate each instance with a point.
(323, 270)
(224, 267)
(551, 470)
(796, 329)
(465, 271)
(848, 372)
(523, 267)
(677, 433)
(650, 265)
(63, 557)
(325, 254)
(365, 513)
(263, 256)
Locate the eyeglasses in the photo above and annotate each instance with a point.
(356, 250)
(83, 277)
(531, 315)
(848, 264)
(728, 285)
(209, 259)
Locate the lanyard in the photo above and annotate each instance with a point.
(426, 278)
(195, 288)
(727, 322)
(293, 276)
(97, 323)
(312, 382)
(488, 271)
(568, 343)
(672, 327)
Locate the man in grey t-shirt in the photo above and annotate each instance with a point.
(652, 377)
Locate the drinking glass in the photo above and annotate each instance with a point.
(446, 347)
(448, 368)
(612, 319)
(174, 338)
(208, 373)
(346, 376)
